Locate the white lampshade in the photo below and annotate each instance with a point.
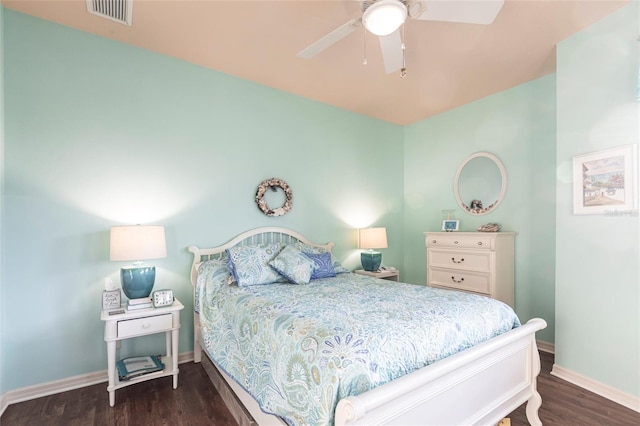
(384, 17)
(373, 238)
(137, 243)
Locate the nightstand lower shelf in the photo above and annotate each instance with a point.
(385, 274)
(168, 371)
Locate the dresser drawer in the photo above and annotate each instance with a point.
(467, 260)
(460, 241)
(147, 325)
(477, 282)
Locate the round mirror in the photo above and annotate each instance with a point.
(480, 183)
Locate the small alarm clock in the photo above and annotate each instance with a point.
(162, 298)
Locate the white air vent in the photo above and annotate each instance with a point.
(116, 10)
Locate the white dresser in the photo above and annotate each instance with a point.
(478, 262)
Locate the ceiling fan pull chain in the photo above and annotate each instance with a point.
(364, 45)
(403, 70)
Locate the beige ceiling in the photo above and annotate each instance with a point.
(448, 64)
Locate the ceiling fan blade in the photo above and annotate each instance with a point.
(463, 11)
(331, 38)
(391, 46)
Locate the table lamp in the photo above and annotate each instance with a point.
(371, 239)
(137, 243)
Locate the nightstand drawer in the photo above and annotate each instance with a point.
(468, 260)
(146, 325)
(476, 282)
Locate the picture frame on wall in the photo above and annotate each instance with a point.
(606, 182)
(450, 225)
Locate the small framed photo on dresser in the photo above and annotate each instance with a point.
(450, 225)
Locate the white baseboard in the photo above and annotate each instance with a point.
(546, 347)
(3, 403)
(606, 391)
(49, 388)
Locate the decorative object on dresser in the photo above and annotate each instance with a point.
(480, 183)
(135, 323)
(489, 227)
(274, 184)
(481, 263)
(371, 239)
(137, 243)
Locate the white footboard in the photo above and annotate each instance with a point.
(480, 385)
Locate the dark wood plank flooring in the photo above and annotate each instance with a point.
(565, 404)
(196, 402)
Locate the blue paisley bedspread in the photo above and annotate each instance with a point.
(299, 349)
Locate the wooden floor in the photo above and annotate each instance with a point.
(196, 402)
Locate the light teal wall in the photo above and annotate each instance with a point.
(518, 125)
(598, 259)
(100, 133)
(2, 298)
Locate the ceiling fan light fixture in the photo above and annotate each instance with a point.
(384, 17)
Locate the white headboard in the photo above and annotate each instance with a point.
(265, 235)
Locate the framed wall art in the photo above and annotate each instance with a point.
(606, 182)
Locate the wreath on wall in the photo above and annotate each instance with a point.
(274, 184)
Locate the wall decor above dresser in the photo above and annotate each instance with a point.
(475, 262)
(480, 183)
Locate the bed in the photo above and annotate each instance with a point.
(286, 347)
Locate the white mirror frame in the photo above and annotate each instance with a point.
(503, 189)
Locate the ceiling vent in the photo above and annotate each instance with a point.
(116, 10)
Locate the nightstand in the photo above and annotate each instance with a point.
(383, 274)
(143, 322)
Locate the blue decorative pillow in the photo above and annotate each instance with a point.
(212, 275)
(337, 266)
(250, 264)
(293, 264)
(323, 265)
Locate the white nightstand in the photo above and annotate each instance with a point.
(383, 274)
(141, 323)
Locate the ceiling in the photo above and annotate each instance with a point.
(448, 64)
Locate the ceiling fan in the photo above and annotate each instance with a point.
(383, 18)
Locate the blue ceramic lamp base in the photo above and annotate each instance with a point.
(371, 260)
(137, 282)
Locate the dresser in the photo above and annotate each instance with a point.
(477, 262)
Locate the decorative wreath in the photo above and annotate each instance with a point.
(274, 183)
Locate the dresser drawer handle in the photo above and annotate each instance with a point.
(479, 243)
(433, 241)
(456, 281)
(455, 242)
(146, 325)
(453, 259)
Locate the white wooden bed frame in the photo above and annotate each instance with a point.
(480, 385)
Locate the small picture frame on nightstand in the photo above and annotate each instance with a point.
(111, 299)
(450, 225)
